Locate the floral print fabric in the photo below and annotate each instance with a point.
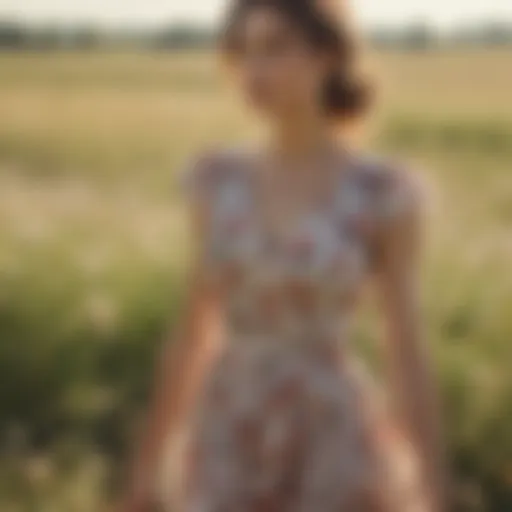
(288, 421)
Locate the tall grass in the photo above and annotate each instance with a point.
(93, 251)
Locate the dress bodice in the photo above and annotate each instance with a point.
(302, 283)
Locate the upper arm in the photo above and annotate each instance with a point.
(399, 251)
(203, 310)
(401, 231)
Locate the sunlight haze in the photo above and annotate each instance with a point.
(156, 12)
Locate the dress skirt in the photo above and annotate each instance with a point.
(299, 430)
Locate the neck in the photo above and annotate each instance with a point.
(300, 137)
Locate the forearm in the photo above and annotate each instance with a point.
(172, 397)
(419, 408)
(180, 376)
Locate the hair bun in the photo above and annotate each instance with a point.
(346, 95)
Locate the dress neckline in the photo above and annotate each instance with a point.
(343, 168)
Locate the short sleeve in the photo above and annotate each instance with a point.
(197, 179)
(203, 183)
(405, 197)
(195, 182)
(396, 200)
(394, 190)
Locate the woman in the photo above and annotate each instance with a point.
(281, 419)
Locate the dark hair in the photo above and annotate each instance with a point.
(346, 94)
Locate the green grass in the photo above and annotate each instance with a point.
(93, 248)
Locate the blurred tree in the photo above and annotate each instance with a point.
(184, 35)
(496, 33)
(420, 36)
(416, 36)
(12, 35)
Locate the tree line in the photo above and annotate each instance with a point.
(416, 36)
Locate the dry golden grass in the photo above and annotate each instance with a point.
(92, 245)
(456, 83)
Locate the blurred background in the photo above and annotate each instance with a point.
(102, 102)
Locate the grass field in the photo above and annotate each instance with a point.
(93, 249)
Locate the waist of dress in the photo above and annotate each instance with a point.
(306, 335)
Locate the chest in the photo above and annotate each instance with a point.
(322, 248)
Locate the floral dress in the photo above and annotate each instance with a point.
(289, 421)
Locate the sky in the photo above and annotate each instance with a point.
(443, 13)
